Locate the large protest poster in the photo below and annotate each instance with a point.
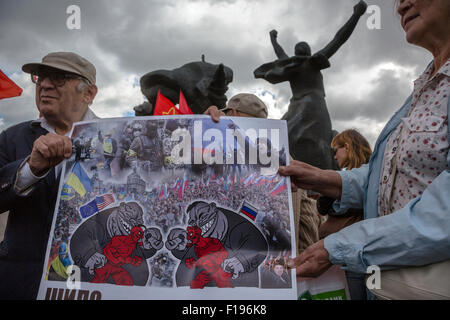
(175, 207)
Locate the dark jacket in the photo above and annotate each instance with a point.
(22, 251)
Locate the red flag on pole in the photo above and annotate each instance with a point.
(184, 108)
(164, 106)
(8, 88)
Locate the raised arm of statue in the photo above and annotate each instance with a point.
(345, 31)
(278, 49)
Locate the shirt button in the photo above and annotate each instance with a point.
(385, 178)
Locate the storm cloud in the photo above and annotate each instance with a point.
(370, 76)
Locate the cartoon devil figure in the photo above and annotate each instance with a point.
(118, 252)
(211, 254)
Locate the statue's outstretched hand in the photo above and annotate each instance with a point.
(273, 34)
(360, 8)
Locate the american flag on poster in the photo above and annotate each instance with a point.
(104, 201)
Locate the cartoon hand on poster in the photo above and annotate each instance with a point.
(233, 265)
(177, 239)
(152, 239)
(97, 260)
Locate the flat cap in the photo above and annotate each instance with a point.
(64, 61)
(247, 103)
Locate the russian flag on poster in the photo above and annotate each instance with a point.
(249, 210)
(249, 180)
(161, 192)
(279, 187)
(175, 184)
(227, 183)
(261, 181)
(184, 184)
(271, 181)
(164, 194)
(257, 180)
(224, 197)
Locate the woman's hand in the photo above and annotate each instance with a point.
(308, 177)
(312, 262)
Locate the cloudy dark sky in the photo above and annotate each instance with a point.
(370, 76)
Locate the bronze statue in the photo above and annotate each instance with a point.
(203, 84)
(308, 121)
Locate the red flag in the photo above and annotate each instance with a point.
(184, 108)
(164, 106)
(8, 88)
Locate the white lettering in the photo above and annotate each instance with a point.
(74, 20)
(74, 279)
(374, 20)
(181, 152)
(374, 280)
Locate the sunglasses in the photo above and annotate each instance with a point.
(57, 78)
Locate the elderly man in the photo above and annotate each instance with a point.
(30, 157)
(306, 217)
(240, 105)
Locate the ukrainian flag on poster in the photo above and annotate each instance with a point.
(79, 180)
(67, 192)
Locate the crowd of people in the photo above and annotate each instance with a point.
(389, 210)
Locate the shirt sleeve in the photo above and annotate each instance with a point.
(354, 184)
(416, 235)
(25, 179)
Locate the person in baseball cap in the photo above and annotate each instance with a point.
(29, 175)
(240, 105)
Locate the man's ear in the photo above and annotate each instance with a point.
(347, 147)
(89, 93)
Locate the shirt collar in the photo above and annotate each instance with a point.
(89, 115)
(424, 78)
(445, 69)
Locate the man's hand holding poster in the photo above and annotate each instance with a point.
(174, 207)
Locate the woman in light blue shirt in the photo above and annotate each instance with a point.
(404, 189)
